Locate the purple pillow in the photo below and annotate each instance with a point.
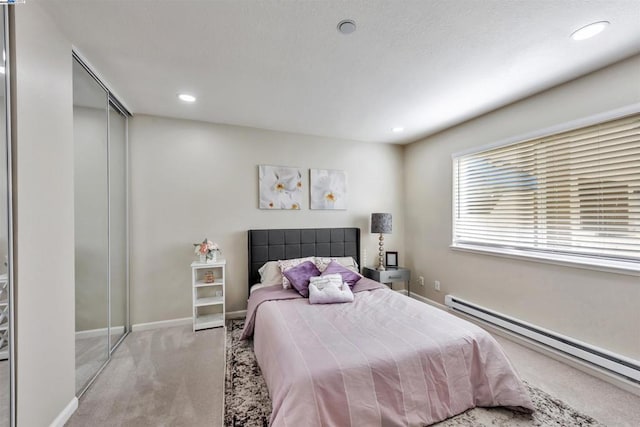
(299, 276)
(348, 276)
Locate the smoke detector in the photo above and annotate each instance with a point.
(346, 26)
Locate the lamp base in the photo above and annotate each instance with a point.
(380, 266)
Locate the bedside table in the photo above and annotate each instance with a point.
(207, 283)
(389, 276)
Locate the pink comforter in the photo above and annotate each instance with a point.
(383, 360)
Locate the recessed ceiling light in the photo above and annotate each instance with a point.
(186, 97)
(398, 129)
(346, 26)
(589, 31)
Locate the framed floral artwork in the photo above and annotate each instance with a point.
(328, 189)
(280, 187)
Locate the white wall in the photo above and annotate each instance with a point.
(43, 187)
(191, 179)
(596, 307)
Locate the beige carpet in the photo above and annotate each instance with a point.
(164, 377)
(608, 404)
(159, 378)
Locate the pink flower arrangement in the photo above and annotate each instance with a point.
(207, 248)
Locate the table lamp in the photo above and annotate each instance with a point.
(381, 223)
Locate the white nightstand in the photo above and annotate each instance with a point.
(208, 297)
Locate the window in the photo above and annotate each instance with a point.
(571, 196)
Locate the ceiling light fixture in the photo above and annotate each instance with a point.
(589, 31)
(186, 97)
(397, 129)
(346, 26)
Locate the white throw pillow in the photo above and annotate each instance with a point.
(329, 290)
(322, 282)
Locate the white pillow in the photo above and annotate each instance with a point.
(322, 282)
(346, 261)
(331, 290)
(270, 274)
(290, 263)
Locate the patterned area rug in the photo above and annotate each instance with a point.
(247, 401)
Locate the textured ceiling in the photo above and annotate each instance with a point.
(282, 65)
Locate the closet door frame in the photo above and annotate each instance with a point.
(112, 101)
(117, 106)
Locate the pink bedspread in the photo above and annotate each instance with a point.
(383, 360)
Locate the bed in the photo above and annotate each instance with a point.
(382, 360)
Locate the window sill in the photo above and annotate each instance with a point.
(610, 266)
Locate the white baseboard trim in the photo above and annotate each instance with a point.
(161, 324)
(91, 333)
(240, 314)
(578, 364)
(66, 413)
(429, 301)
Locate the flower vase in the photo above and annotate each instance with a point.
(203, 258)
(214, 257)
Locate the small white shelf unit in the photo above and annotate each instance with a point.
(208, 298)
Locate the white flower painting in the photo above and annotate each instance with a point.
(280, 187)
(328, 189)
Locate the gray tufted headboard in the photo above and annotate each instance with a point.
(273, 245)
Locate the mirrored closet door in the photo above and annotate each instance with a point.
(90, 133)
(101, 258)
(6, 306)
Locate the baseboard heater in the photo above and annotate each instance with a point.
(621, 365)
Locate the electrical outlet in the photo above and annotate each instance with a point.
(421, 281)
(436, 285)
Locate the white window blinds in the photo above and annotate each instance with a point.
(574, 193)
